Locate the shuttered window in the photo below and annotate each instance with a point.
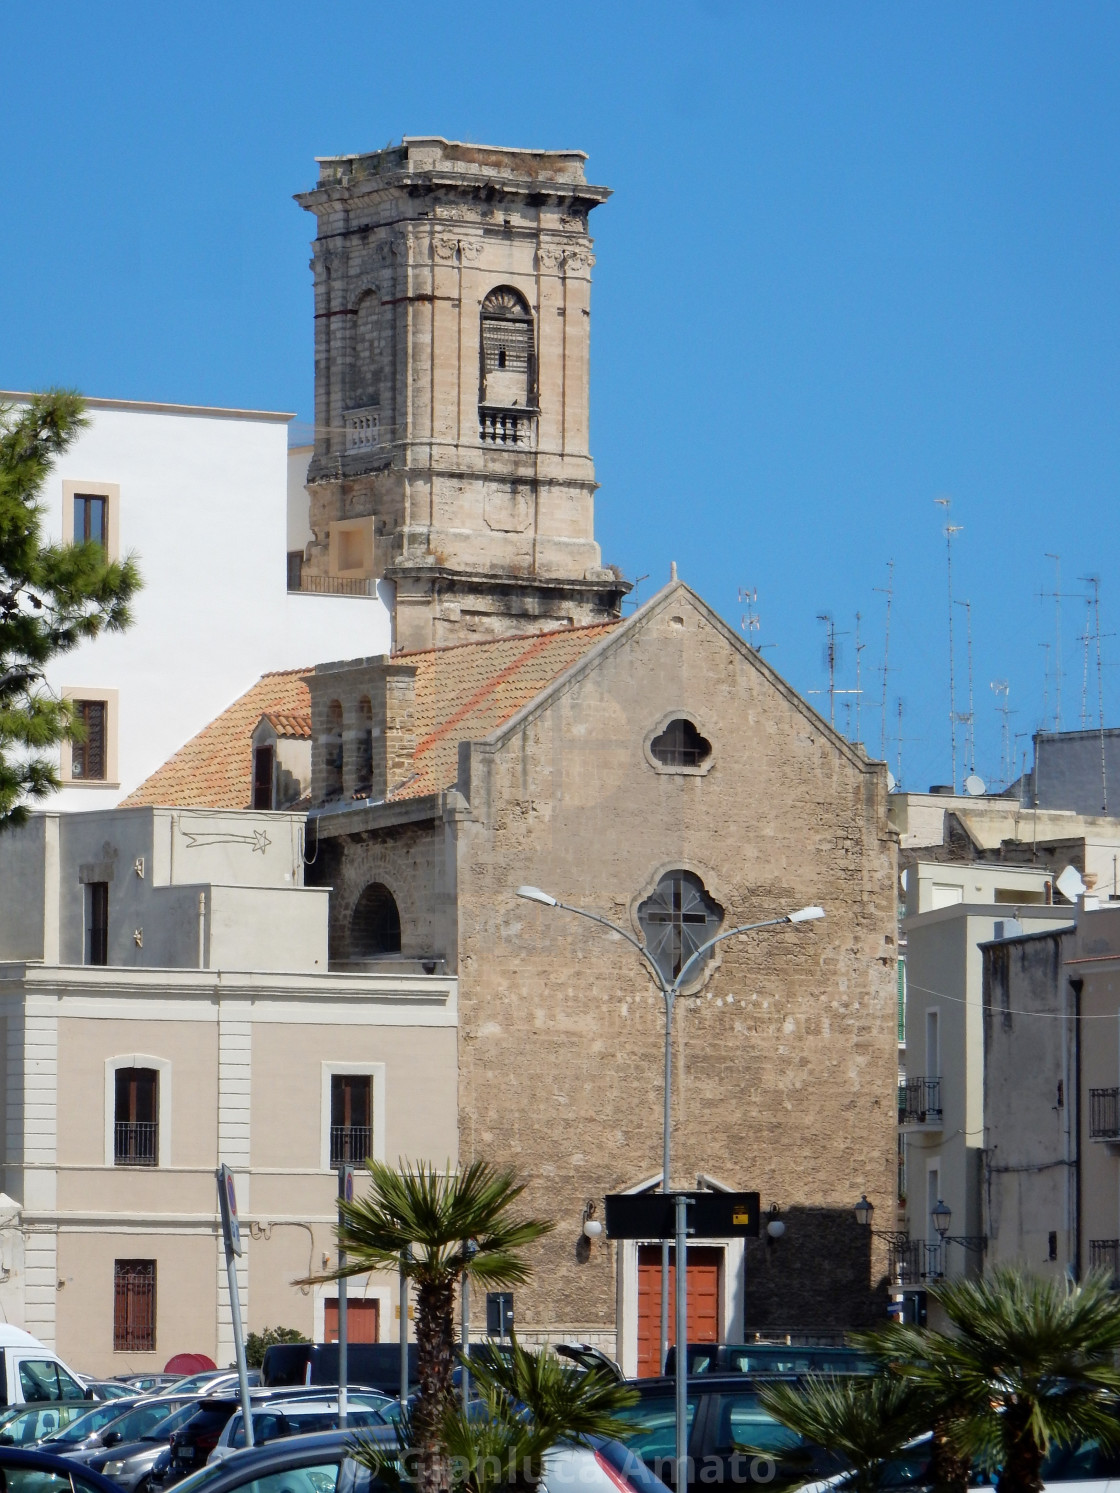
(134, 1306)
(88, 757)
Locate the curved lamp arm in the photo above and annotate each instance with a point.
(719, 938)
(534, 894)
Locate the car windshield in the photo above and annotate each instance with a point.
(320, 1477)
(268, 1425)
(655, 1417)
(169, 1423)
(138, 1421)
(85, 1425)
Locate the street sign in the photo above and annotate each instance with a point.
(346, 1182)
(227, 1201)
(711, 1215)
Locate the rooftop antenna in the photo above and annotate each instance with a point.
(750, 622)
(1057, 597)
(898, 760)
(1002, 690)
(830, 656)
(1045, 685)
(1085, 639)
(1095, 582)
(950, 530)
(968, 720)
(888, 591)
(859, 687)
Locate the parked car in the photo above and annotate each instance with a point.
(24, 1471)
(128, 1426)
(375, 1364)
(31, 1373)
(108, 1389)
(770, 1358)
(129, 1463)
(732, 1441)
(320, 1463)
(212, 1381)
(297, 1417)
(146, 1383)
(25, 1425)
(77, 1432)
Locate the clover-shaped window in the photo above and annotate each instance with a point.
(680, 744)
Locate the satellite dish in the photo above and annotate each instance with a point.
(974, 786)
(1070, 885)
(891, 784)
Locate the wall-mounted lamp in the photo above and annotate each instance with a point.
(775, 1228)
(590, 1225)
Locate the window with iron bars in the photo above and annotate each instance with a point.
(134, 1306)
(1104, 1254)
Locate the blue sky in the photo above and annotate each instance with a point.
(859, 257)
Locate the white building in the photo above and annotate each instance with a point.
(211, 505)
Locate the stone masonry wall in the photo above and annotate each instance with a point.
(786, 1053)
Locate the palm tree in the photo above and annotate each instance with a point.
(530, 1402)
(434, 1225)
(866, 1418)
(1028, 1362)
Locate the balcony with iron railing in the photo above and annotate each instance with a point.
(919, 1103)
(1104, 1254)
(350, 1143)
(1104, 1114)
(135, 1143)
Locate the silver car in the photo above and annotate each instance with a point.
(299, 1416)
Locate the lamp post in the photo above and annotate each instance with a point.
(941, 1217)
(669, 991)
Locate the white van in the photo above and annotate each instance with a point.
(31, 1374)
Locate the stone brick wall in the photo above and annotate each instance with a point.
(375, 694)
(786, 1052)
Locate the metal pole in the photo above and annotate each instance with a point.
(343, 1343)
(239, 1344)
(666, 1133)
(466, 1338)
(682, 1343)
(404, 1327)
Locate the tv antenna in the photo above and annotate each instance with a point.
(968, 719)
(831, 654)
(950, 530)
(859, 686)
(1045, 684)
(1002, 690)
(1057, 596)
(1095, 601)
(888, 591)
(750, 621)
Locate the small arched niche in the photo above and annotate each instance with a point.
(375, 924)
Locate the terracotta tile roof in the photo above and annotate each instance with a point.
(290, 723)
(215, 768)
(466, 691)
(462, 693)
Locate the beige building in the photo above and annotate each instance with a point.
(167, 1005)
(452, 337)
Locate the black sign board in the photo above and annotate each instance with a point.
(711, 1215)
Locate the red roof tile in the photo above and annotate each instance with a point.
(463, 692)
(215, 768)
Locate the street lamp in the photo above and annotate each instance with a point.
(669, 991)
(942, 1217)
(864, 1210)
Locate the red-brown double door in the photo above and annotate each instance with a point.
(363, 1320)
(703, 1301)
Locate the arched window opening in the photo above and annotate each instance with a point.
(332, 751)
(677, 919)
(365, 382)
(680, 745)
(363, 765)
(375, 926)
(508, 380)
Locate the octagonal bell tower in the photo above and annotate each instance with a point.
(452, 333)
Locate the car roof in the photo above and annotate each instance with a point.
(16, 1456)
(708, 1383)
(277, 1456)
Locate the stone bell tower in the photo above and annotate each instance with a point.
(452, 331)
